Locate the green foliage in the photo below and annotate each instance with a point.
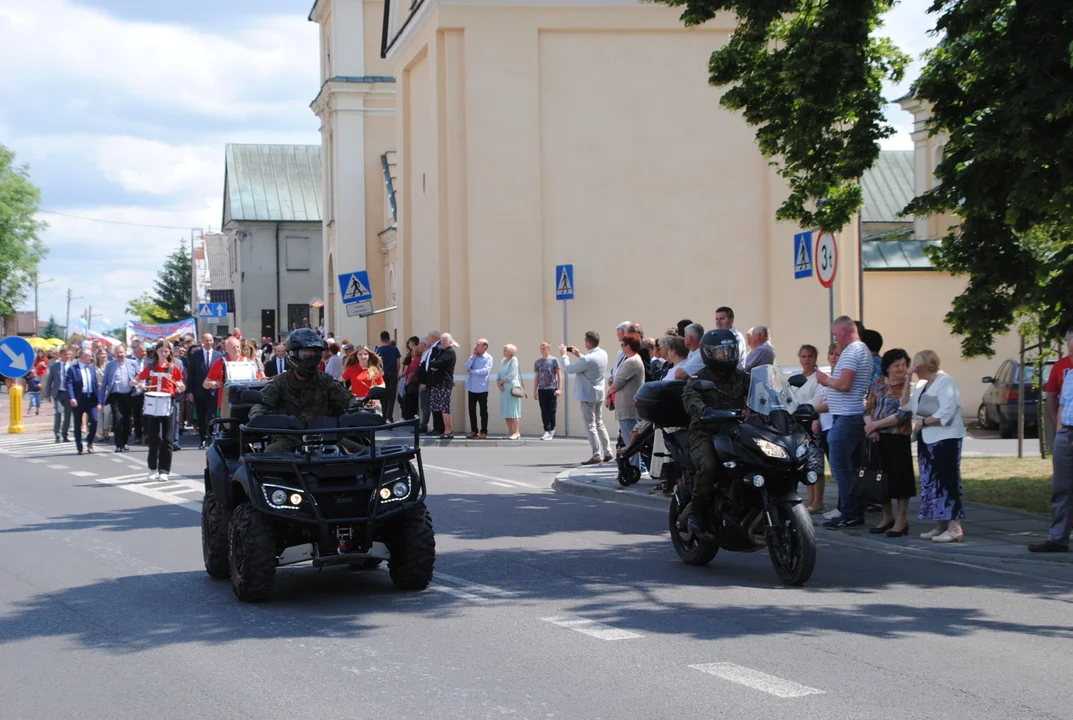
(173, 285)
(52, 330)
(1000, 85)
(119, 333)
(145, 308)
(808, 75)
(20, 247)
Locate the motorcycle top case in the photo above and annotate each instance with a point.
(660, 403)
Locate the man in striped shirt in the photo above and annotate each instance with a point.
(847, 387)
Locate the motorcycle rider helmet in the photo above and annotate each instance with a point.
(304, 350)
(719, 350)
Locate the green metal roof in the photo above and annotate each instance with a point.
(273, 183)
(896, 254)
(888, 187)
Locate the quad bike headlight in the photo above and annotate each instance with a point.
(278, 497)
(296, 499)
(282, 498)
(771, 449)
(400, 489)
(385, 493)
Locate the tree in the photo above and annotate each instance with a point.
(20, 247)
(145, 308)
(173, 285)
(52, 330)
(1000, 86)
(119, 333)
(808, 75)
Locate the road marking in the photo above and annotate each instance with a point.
(125, 482)
(58, 467)
(82, 473)
(457, 593)
(757, 680)
(475, 587)
(37, 460)
(517, 483)
(592, 628)
(502, 484)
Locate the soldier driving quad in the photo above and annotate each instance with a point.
(284, 486)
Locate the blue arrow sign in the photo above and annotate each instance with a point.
(354, 287)
(212, 310)
(564, 282)
(16, 357)
(802, 255)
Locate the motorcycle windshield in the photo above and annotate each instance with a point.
(768, 391)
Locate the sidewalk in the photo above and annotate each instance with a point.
(990, 532)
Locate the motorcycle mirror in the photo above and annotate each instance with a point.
(797, 381)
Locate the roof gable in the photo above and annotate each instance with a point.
(272, 183)
(887, 187)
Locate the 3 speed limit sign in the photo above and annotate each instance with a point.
(826, 259)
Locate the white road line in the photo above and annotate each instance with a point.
(124, 482)
(592, 628)
(475, 587)
(517, 483)
(58, 467)
(502, 484)
(757, 680)
(83, 473)
(37, 461)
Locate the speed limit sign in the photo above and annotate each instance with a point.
(826, 258)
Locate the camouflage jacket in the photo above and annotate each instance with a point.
(321, 394)
(729, 393)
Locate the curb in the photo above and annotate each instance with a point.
(462, 441)
(567, 485)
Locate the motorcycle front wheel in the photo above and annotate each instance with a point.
(792, 545)
(690, 549)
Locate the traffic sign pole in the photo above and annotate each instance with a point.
(566, 375)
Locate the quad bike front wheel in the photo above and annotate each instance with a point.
(251, 551)
(413, 550)
(214, 537)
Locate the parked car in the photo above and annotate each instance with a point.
(999, 406)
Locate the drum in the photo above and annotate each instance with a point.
(157, 404)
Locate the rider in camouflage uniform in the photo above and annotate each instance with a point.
(304, 392)
(719, 349)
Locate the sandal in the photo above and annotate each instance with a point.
(447, 436)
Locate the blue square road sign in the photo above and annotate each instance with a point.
(564, 282)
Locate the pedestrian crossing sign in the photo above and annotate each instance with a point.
(564, 282)
(355, 287)
(802, 255)
(212, 310)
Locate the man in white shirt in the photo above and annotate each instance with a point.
(762, 352)
(277, 362)
(724, 320)
(847, 387)
(589, 390)
(693, 362)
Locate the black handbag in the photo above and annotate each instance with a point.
(871, 483)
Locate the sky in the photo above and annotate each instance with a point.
(122, 109)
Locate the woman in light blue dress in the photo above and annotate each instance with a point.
(510, 407)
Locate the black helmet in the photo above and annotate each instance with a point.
(719, 350)
(304, 350)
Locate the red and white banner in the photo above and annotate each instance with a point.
(170, 331)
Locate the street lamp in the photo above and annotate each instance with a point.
(37, 282)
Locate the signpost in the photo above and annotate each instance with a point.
(211, 310)
(357, 296)
(564, 290)
(802, 255)
(16, 359)
(827, 266)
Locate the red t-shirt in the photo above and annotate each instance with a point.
(216, 374)
(360, 384)
(160, 379)
(1058, 375)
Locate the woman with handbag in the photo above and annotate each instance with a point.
(511, 392)
(935, 402)
(628, 379)
(890, 429)
(442, 383)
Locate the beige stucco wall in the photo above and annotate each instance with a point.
(908, 308)
(535, 136)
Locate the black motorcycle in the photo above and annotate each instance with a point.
(765, 452)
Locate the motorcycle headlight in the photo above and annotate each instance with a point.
(771, 449)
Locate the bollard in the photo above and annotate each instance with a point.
(15, 402)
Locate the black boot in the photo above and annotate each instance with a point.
(700, 519)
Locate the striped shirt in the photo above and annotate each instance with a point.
(856, 357)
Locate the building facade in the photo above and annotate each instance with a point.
(272, 221)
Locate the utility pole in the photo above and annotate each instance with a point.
(88, 316)
(37, 281)
(67, 321)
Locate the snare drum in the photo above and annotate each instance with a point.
(157, 404)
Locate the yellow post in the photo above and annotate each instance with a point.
(15, 395)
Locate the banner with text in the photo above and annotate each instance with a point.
(145, 331)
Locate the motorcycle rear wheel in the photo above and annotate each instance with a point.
(690, 549)
(793, 544)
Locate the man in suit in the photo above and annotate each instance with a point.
(137, 420)
(589, 390)
(57, 394)
(84, 393)
(198, 363)
(118, 394)
(277, 363)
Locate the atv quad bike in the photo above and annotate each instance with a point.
(319, 503)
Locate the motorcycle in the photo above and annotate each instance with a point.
(765, 452)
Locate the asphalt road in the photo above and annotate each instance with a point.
(544, 606)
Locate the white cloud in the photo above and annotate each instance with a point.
(150, 166)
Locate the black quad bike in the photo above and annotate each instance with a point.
(765, 453)
(319, 503)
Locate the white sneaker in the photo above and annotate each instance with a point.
(545, 436)
(163, 476)
(948, 537)
(832, 514)
(551, 434)
(153, 475)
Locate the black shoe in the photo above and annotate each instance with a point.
(1048, 546)
(118, 450)
(899, 533)
(700, 520)
(175, 447)
(57, 439)
(880, 529)
(79, 451)
(843, 522)
(67, 439)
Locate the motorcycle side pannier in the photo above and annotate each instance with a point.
(661, 403)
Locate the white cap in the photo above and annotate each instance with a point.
(623, 326)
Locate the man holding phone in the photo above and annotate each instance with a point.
(479, 367)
